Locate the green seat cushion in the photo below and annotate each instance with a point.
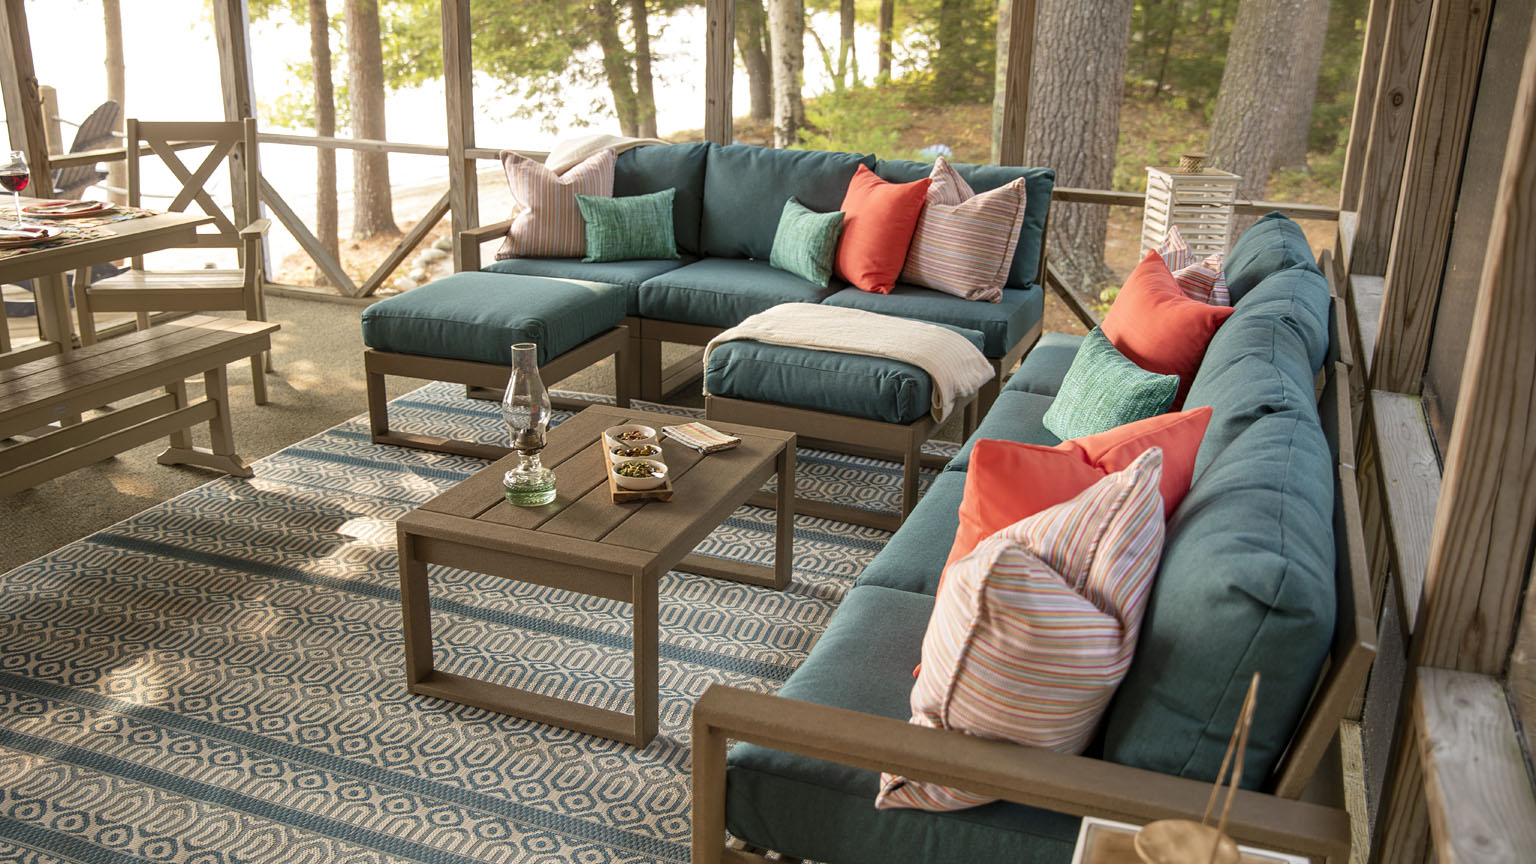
(1246, 584)
(1003, 323)
(1104, 389)
(914, 558)
(625, 274)
(478, 316)
(631, 228)
(1015, 416)
(1038, 183)
(746, 186)
(642, 170)
(813, 809)
(1272, 244)
(1045, 364)
(719, 292)
(852, 385)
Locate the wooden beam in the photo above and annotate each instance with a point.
(1410, 479)
(1426, 207)
(410, 241)
(370, 145)
(719, 70)
(232, 32)
(328, 265)
(1402, 55)
(23, 100)
(1021, 52)
(1365, 101)
(458, 85)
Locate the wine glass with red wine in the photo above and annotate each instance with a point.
(14, 176)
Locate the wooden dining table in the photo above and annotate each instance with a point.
(47, 265)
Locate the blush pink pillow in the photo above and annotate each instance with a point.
(1035, 629)
(548, 223)
(964, 242)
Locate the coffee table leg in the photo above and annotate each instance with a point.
(646, 626)
(416, 610)
(784, 529)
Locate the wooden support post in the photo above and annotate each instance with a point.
(232, 32)
(1021, 52)
(1365, 102)
(458, 84)
(719, 70)
(1426, 207)
(51, 125)
(23, 101)
(1402, 54)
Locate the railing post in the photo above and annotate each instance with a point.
(1013, 124)
(23, 103)
(458, 81)
(719, 70)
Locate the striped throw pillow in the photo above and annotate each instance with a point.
(1035, 629)
(964, 242)
(547, 221)
(1202, 281)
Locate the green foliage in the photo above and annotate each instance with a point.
(856, 120)
(1178, 48)
(954, 45)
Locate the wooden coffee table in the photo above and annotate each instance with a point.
(584, 542)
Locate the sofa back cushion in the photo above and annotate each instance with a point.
(1038, 183)
(745, 188)
(643, 170)
(1270, 245)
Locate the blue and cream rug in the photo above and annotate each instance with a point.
(220, 678)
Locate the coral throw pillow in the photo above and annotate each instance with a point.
(1159, 329)
(878, 220)
(964, 242)
(1038, 625)
(1202, 281)
(547, 222)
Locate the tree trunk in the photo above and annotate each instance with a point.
(786, 31)
(1250, 108)
(1000, 76)
(112, 18)
(372, 201)
(756, 55)
(616, 67)
(1296, 127)
(887, 22)
(1078, 78)
(845, 41)
(645, 95)
(327, 229)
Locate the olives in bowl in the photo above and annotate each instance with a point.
(615, 437)
(643, 451)
(640, 474)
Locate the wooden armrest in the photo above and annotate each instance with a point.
(257, 228)
(482, 233)
(1039, 778)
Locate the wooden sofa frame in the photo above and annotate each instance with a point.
(1316, 827)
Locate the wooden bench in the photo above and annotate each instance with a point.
(59, 389)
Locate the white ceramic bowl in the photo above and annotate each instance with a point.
(612, 440)
(641, 484)
(615, 458)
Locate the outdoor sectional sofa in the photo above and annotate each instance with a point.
(1262, 571)
(725, 213)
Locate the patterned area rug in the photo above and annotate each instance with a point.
(220, 678)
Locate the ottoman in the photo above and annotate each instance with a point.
(850, 403)
(460, 329)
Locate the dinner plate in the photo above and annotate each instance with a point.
(65, 209)
(11, 238)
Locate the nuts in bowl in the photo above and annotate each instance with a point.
(615, 437)
(640, 474)
(642, 451)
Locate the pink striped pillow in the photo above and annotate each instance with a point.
(1201, 281)
(1033, 631)
(547, 223)
(964, 242)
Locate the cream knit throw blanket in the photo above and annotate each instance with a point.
(569, 153)
(954, 364)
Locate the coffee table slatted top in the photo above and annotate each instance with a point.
(583, 510)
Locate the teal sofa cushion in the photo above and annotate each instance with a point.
(719, 292)
(1003, 323)
(478, 316)
(642, 170)
(624, 274)
(1015, 416)
(1045, 365)
(1246, 584)
(914, 558)
(809, 808)
(746, 186)
(1038, 183)
(852, 385)
(1272, 244)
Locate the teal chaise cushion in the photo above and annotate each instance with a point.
(1046, 364)
(1003, 323)
(746, 187)
(478, 316)
(1270, 245)
(806, 807)
(914, 557)
(625, 274)
(1017, 415)
(643, 170)
(720, 292)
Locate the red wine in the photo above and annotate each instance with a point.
(15, 181)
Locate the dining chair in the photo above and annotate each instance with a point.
(144, 291)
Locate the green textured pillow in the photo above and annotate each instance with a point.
(1103, 390)
(635, 226)
(805, 242)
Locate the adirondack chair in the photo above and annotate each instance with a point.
(144, 291)
(95, 133)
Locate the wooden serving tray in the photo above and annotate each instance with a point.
(622, 495)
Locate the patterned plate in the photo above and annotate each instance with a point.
(65, 209)
(27, 235)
